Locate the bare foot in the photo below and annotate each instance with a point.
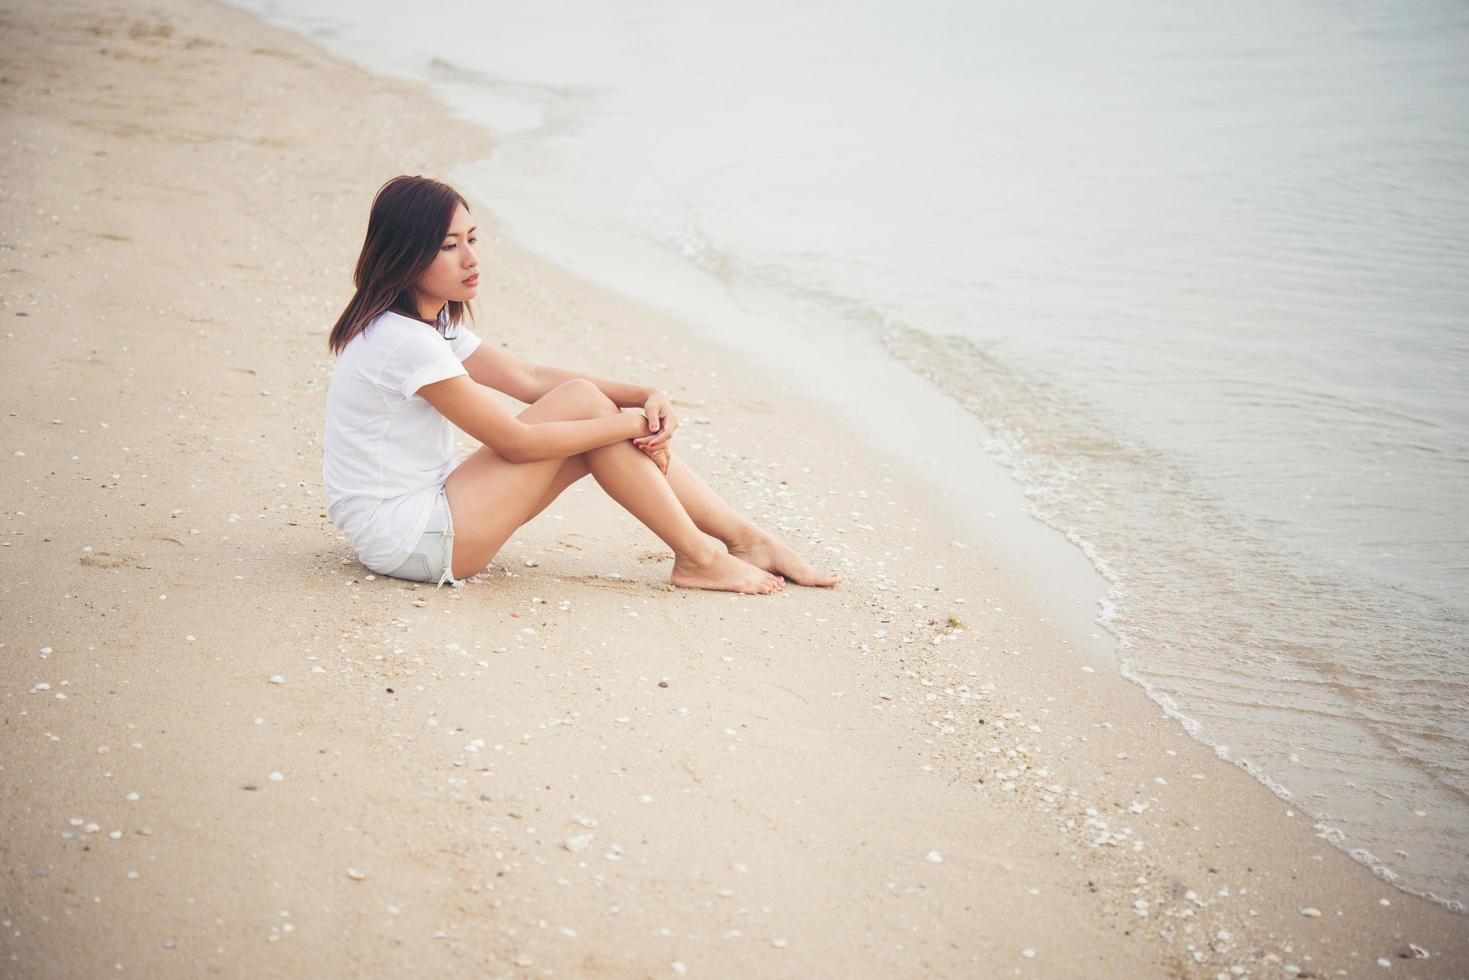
(770, 553)
(725, 573)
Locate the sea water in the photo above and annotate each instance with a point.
(1201, 271)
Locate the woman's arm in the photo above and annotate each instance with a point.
(467, 404)
(527, 382)
(545, 377)
(656, 405)
(503, 371)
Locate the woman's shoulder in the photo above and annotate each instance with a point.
(389, 329)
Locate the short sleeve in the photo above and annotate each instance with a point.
(421, 359)
(463, 342)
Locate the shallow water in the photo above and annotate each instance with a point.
(1203, 273)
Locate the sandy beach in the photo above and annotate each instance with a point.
(229, 750)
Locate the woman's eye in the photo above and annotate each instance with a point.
(446, 248)
(474, 240)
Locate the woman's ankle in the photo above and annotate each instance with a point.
(745, 538)
(700, 556)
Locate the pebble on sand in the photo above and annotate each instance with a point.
(275, 777)
(356, 874)
(1311, 913)
(277, 679)
(935, 857)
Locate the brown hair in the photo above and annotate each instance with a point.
(410, 217)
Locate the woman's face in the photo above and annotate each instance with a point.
(454, 273)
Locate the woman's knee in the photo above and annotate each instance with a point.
(585, 396)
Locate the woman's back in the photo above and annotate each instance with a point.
(386, 450)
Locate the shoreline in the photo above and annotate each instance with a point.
(828, 364)
(799, 759)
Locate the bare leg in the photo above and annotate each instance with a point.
(744, 539)
(489, 497)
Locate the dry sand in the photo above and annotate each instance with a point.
(494, 780)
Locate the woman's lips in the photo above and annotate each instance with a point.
(472, 280)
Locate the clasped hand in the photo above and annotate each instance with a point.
(661, 422)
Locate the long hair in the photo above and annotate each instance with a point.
(410, 217)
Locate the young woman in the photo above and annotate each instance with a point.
(408, 366)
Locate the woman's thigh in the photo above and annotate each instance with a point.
(489, 496)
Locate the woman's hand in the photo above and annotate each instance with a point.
(661, 423)
(662, 457)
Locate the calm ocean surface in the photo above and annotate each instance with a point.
(1203, 273)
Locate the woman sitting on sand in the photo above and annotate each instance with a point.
(408, 366)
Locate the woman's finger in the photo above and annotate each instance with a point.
(659, 456)
(653, 442)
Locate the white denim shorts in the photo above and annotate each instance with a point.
(433, 559)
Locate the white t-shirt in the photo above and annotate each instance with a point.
(386, 450)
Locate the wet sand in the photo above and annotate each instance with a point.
(929, 771)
